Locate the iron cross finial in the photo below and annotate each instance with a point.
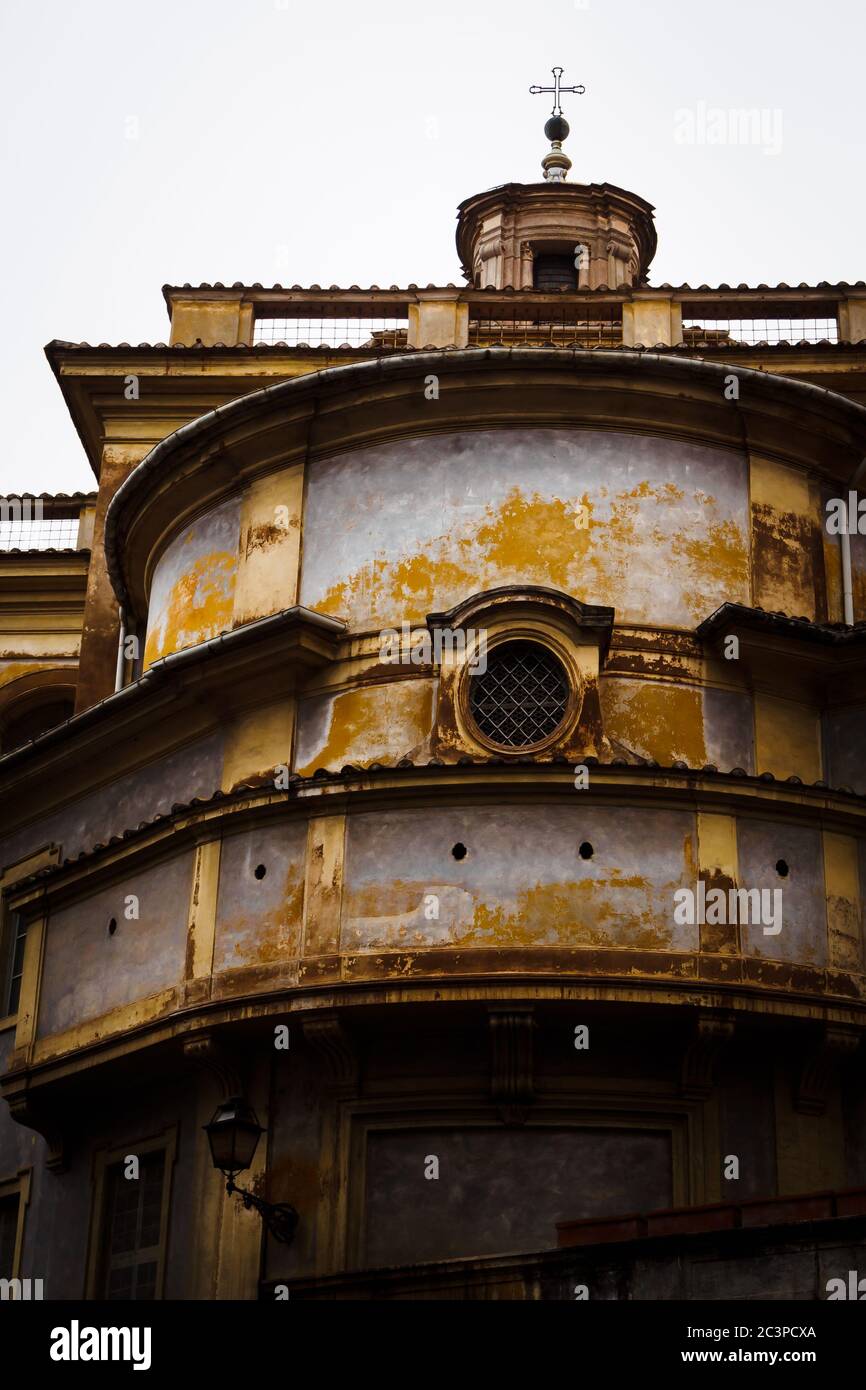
(557, 88)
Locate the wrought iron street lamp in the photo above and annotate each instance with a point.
(233, 1135)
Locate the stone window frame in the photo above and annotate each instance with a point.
(45, 857)
(576, 634)
(19, 1187)
(686, 1121)
(105, 1158)
(536, 637)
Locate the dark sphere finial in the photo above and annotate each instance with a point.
(556, 128)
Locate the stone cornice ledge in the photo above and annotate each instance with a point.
(227, 659)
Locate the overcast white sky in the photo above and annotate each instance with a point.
(330, 141)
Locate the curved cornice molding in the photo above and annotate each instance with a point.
(530, 598)
(492, 778)
(309, 639)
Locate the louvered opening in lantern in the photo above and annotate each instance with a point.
(554, 271)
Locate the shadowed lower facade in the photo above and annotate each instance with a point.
(467, 769)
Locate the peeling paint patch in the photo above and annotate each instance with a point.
(192, 594)
(258, 919)
(522, 882)
(370, 724)
(88, 972)
(656, 719)
(784, 580)
(395, 531)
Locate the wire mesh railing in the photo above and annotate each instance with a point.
(751, 332)
(44, 533)
(347, 331)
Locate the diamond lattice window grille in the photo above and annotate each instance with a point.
(522, 696)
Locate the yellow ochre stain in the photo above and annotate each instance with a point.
(588, 912)
(16, 669)
(718, 563)
(367, 723)
(560, 912)
(537, 538)
(554, 541)
(657, 720)
(199, 606)
(536, 535)
(268, 937)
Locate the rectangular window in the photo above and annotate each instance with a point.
(132, 1228)
(8, 1234)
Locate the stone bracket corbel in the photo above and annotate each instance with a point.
(713, 1030)
(26, 1110)
(210, 1054)
(512, 1084)
(820, 1068)
(335, 1048)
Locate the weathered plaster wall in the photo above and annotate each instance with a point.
(502, 1190)
(270, 540)
(258, 920)
(193, 586)
(787, 737)
(728, 729)
(845, 747)
(522, 882)
(787, 538)
(656, 719)
(368, 724)
(668, 722)
(87, 971)
(396, 531)
(123, 804)
(281, 892)
(31, 648)
(760, 845)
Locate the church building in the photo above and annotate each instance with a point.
(433, 787)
